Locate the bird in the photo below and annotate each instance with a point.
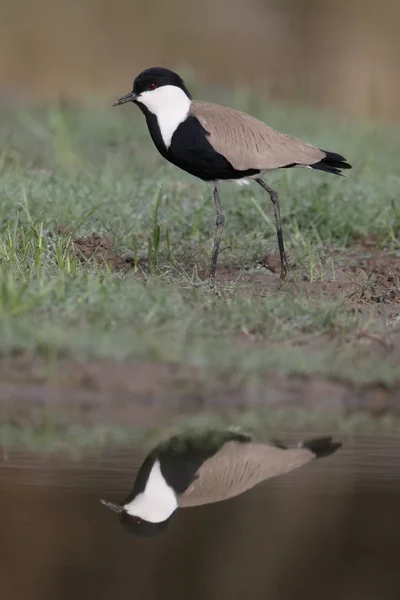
(196, 468)
(216, 143)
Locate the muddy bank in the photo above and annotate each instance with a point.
(145, 394)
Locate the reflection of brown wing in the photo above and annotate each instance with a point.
(248, 143)
(237, 468)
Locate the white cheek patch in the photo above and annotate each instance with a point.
(171, 107)
(157, 502)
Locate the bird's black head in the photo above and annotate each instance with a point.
(157, 77)
(152, 79)
(140, 527)
(135, 524)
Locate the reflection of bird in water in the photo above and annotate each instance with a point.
(198, 469)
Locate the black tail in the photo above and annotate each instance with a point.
(332, 163)
(321, 446)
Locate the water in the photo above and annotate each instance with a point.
(330, 530)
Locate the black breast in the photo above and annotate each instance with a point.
(181, 457)
(191, 151)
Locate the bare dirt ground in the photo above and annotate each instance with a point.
(366, 277)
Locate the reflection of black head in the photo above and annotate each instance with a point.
(140, 527)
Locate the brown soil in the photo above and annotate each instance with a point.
(96, 248)
(363, 276)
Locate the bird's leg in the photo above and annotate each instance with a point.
(218, 234)
(275, 201)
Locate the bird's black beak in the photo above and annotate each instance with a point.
(131, 97)
(115, 507)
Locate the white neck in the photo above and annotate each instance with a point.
(157, 502)
(171, 107)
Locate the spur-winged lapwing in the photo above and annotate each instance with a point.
(190, 470)
(216, 143)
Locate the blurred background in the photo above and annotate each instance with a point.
(341, 55)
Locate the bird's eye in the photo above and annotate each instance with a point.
(138, 520)
(151, 86)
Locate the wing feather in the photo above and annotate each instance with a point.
(239, 467)
(248, 143)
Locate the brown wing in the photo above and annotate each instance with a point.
(239, 467)
(249, 143)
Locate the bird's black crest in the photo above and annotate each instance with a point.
(158, 76)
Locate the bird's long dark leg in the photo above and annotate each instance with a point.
(218, 234)
(275, 201)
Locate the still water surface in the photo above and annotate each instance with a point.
(330, 530)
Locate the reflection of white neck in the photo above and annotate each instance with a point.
(157, 502)
(171, 107)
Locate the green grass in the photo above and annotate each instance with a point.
(95, 170)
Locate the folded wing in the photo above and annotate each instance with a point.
(248, 143)
(237, 467)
